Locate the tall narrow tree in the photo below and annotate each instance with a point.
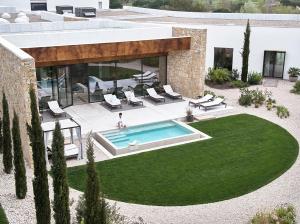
(1, 137)
(92, 214)
(20, 171)
(245, 53)
(60, 184)
(40, 181)
(7, 152)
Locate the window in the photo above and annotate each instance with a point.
(100, 5)
(223, 58)
(38, 6)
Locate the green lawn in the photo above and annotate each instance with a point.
(245, 153)
(3, 219)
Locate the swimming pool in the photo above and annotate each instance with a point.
(146, 136)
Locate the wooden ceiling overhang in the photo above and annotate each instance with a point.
(88, 53)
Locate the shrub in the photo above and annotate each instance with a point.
(238, 84)
(234, 75)
(258, 97)
(270, 103)
(209, 92)
(254, 78)
(294, 72)
(296, 88)
(284, 214)
(282, 112)
(246, 97)
(219, 75)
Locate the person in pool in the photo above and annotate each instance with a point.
(120, 122)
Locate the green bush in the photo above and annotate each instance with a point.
(209, 92)
(258, 97)
(282, 112)
(246, 97)
(296, 88)
(294, 71)
(254, 78)
(285, 214)
(219, 75)
(234, 75)
(238, 84)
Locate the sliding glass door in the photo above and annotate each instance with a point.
(274, 64)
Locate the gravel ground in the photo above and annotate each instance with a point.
(237, 210)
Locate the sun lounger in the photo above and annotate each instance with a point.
(112, 101)
(169, 91)
(216, 102)
(154, 96)
(142, 75)
(70, 150)
(55, 109)
(147, 78)
(132, 99)
(204, 99)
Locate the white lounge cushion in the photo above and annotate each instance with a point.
(71, 150)
(54, 107)
(144, 74)
(168, 89)
(153, 93)
(151, 76)
(203, 99)
(112, 100)
(215, 102)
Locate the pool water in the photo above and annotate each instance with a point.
(146, 133)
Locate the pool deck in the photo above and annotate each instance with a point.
(94, 117)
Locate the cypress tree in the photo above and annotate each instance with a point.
(40, 181)
(1, 137)
(245, 53)
(93, 205)
(60, 185)
(7, 152)
(20, 171)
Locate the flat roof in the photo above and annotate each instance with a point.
(33, 18)
(204, 21)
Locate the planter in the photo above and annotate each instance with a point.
(293, 78)
(190, 118)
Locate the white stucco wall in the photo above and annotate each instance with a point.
(21, 5)
(262, 39)
(51, 4)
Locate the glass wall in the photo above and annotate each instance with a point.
(223, 58)
(88, 83)
(274, 64)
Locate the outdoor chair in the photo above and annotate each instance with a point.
(169, 91)
(148, 78)
(112, 101)
(154, 96)
(142, 75)
(204, 99)
(131, 99)
(55, 109)
(216, 102)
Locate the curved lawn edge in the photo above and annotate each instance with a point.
(150, 178)
(3, 218)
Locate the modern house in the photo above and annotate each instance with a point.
(77, 62)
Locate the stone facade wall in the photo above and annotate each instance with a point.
(186, 69)
(17, 72)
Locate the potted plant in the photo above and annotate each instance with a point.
(293, 74)
(189, 114)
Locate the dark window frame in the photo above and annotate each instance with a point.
(264, 60)
(224, 49)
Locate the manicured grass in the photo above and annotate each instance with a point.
(3, 219)
(245, 153)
